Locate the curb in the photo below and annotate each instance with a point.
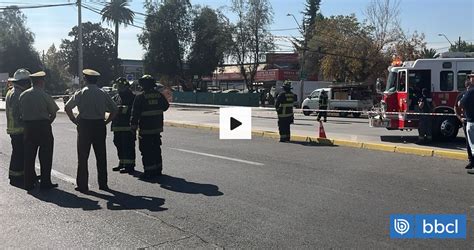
(425, 152)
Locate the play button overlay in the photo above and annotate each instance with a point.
(235, 123)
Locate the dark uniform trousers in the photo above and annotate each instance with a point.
(425, 126)
(38, 135)
(469, 151)
(323, 114)
(284, 128)
(150, 148)
(125, 143)
(16, 170)
(91, 133)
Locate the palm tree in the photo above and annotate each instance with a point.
(428, 53)
(116, 12)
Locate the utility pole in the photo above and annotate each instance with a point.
(79, 41)
(303, 59)
(459, 44)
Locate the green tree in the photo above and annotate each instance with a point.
(16, 43)
(211, 43)
(252, 40)
(346, 47)
(410, 47)
(116, 12)
(462, 46)
(98, 47)
(428, 53)
(166, 37)
(56, 73)
(311, 18)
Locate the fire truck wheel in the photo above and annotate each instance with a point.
(356, 115)
(305, 111)
(446, 129)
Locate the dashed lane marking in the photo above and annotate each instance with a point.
(219, 157)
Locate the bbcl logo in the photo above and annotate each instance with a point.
(428, 226)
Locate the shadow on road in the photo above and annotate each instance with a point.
(181, 185)
(65, 199)
(123, 201)
(458, 144)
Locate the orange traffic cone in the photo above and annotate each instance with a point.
(322, 133)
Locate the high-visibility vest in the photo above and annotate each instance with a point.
(14, 123)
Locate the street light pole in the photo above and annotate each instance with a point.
(79, 45)
(446, 38)
(303, 58)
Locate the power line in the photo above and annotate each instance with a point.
(35, 6)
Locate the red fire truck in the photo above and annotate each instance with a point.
(444, 77)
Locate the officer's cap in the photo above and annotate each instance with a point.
(91, 72)
(21, 74)
(121, 82)
(38, 74)
(147, 77)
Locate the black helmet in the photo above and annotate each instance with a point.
(121, 82)
(146, 81)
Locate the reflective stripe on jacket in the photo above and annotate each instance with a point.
(284, 104)
(147, 112)
(12, 110)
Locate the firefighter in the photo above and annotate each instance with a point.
(124, 136)
(15, 127)
(323, 105)
(38, 111)
(92, 104)
(284, 107)
(147, 117)
(425, 105)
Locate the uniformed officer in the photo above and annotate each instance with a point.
(147, 117)
(92, 104)
(323, 106)
(20, 81)
(124, 136)
(425, 105)
(284, 106)
(38, 111)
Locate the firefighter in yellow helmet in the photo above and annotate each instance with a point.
(124, 136)
(15, 128)
(284, 107)
(147, 117)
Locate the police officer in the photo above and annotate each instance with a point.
(15, 127)
(461, 115)
(38, 111)
(323, 105)
(425, 105)
(92, 104)
(147, 117)
(124, 136)
(284, 106)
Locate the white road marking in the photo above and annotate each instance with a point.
(220, 157)
(60, 175)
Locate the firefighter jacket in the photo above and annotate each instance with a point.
(284, 104)
(124, 100)
(323, 100)
(147, 112)
(14, 122)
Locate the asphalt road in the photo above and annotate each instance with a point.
(235, 194)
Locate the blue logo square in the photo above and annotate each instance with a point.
(402, 226)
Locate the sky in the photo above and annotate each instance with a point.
(453, 18)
